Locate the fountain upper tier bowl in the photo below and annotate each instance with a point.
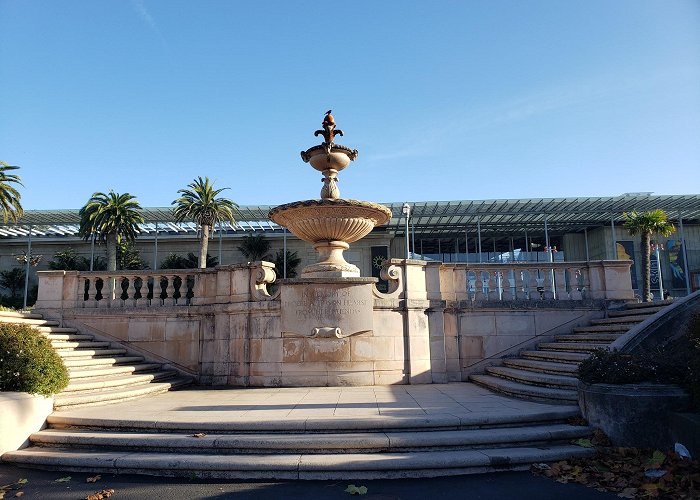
(330, 220)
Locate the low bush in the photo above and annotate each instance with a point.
(28, 363)
(677, 362)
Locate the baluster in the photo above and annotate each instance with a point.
(520, 284)
(494, 295)
(560, 283)
(548, 283)
(179, 290)
(574, 285)
(585, 281)
(506, 286)
(170, 291)
(533, 286)
(479, 284)
(136, 284)
(101, 292)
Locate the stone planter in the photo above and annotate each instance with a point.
(632, 415)
(21, 414)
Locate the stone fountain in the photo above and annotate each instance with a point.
(331, 223)
(330, 299)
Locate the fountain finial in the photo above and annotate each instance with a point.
(329, 131)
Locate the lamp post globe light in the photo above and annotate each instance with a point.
(406, 210)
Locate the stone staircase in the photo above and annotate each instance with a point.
(548, 374)
(100, 372)
(268, 448)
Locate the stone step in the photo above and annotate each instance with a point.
(534, 378)
(526, 391)
(558, 356)
(369, 442)
(589, 337)
(89, 353)
(646, 305)
(56, 329)
(29, 321)
(296, 466)
(102, 371)
(572, 346)
(622, 320)
(80, 344)
(68, 336)
(106, 361)
(542, 366)
(602, 329)
(631, 312)
(120, 380)
(534, 415)
(72, 400)
(4, 315)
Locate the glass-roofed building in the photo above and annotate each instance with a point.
(468, 231)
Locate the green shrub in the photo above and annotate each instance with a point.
(28, 363)
(676, 362)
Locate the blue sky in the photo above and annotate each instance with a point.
(445, 100)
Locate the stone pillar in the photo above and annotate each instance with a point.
(416, 324)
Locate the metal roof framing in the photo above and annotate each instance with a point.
(429, 218)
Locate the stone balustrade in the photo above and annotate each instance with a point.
(172, 287)
(530, 281)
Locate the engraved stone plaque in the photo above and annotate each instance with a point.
(334, 308)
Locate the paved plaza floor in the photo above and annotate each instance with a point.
(325, 407)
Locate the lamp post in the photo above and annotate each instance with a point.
(406, 210)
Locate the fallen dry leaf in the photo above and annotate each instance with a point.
(198, 435)
(93, 479)
(63, 479)
(19, 493)
(100, 495)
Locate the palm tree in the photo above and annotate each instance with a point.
(114, 218)
(645, 224)
(9, 196)
(200, 204)
(255, 247)
(293, 261)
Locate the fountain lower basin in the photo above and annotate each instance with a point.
(330, 225)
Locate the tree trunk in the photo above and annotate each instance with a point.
(111, 252)
(203, 247)
(646, 267)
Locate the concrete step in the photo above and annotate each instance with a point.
(72, 400)
(557, 356)
(602, 329)
(80, 344)
(68, 336)
(647, 305)
(102, 371)
(89, 353)
(542, 366)
(296, 466)
(29, 321)
(106, 361)
(647, 311)
(534, 378)
(104, 421)
(526, 391)
(121, 380)
(369, 442)
(572, 346)
(56, 329)
(595, 338)
(619, 320)
(4, 315)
